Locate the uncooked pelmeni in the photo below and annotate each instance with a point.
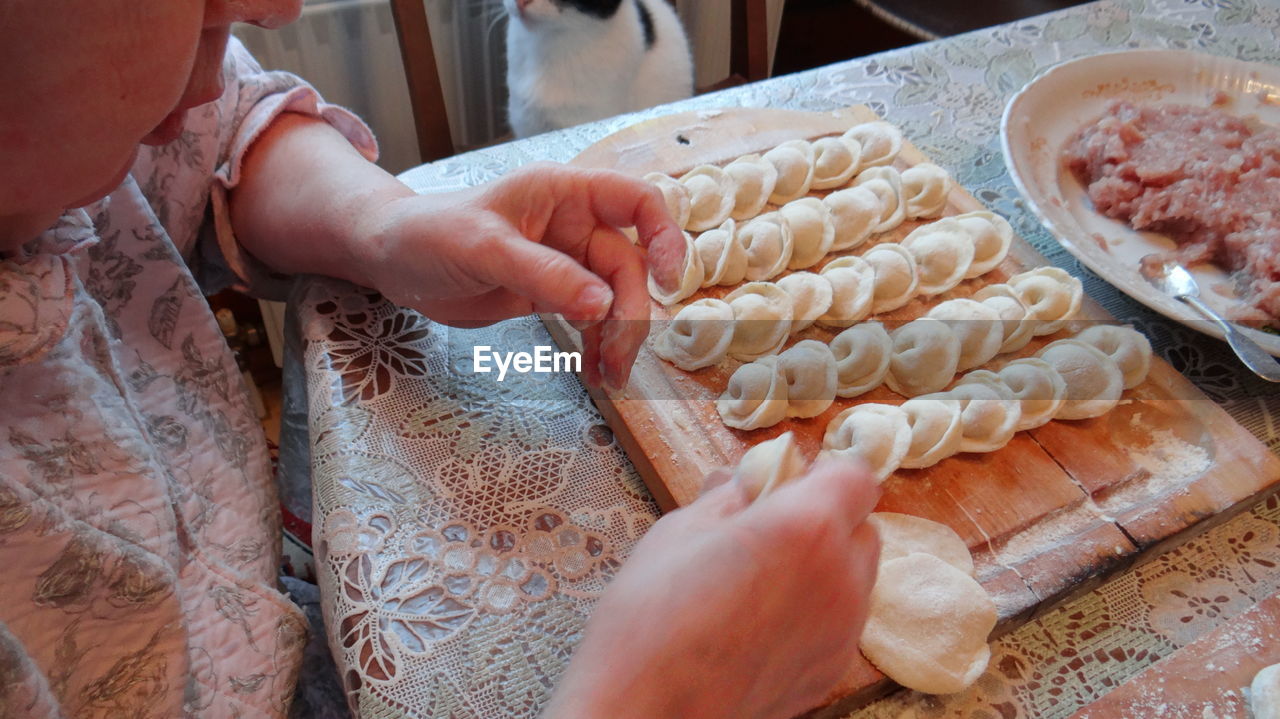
(675, 194)
(1038, 387)
(924, 190)
(989, 414)
(853, 283)
(835, 161)
(811, 297)
(809, 369)
(769, 465)
(925, 352)
(724, 261)
(992, 236)
(698, 336)
(794, 163)
(903, 534)
(1019, 324)
(927, 625)
(762, 314)
(754, 178)
(886, 183)
(767, 243)
(862, 355)
(942, 251)
(1094, 382)
(880, 142)
(877, 434)
(896, 277)
(691, 275)
(711, 196)
(812, 231)
(756, 396)
(1264, 693)
(936, 430)
(977, 326)
(1127, 347)
(855, 211)
(1051, 295)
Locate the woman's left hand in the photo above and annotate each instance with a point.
(544, 238)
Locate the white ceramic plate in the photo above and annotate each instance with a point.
(1040, 119)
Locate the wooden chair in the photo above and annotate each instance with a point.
(426, 95)
(748, 43)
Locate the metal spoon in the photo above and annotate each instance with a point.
(1174, 280)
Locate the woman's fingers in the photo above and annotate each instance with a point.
(611, 256)
(551, 280)
(834, 490)
(620, 200)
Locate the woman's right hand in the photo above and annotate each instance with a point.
(731, 609)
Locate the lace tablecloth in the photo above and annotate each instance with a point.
(465, 528)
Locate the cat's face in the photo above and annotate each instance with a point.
(551, 12)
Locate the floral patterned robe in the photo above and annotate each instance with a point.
(139, 527)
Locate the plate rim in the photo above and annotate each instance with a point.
(1176, 311)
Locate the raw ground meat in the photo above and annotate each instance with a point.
(1201, 176)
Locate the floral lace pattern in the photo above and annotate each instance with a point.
(466, 527)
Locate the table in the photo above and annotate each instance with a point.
(932, 19)
(465, 529)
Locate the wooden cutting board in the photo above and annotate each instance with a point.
(1050, 514)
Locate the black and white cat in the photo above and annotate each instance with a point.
(573, 61)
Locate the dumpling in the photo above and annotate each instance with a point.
(924, 190)
(1051, 295)
(862, 355)
(896, 277)
(943, 252)
(768, 244)
(724, 261)
(878, 434)
(711, 195)
(853, 283)
(809, 369)
(918, 639)
(794, 163)
(854, 211)
(925, 353)
(1127, 347)
(690, 276)
(977, 326)
(935, 430)
(698, 336)
(769, 465)
(1094, 382)
(880, 142)
(1019, 324)
(811, 296)
(675, 194)
(756, 396)
(836, 160)
(1038, 386)
(762, 314)
(754, 178)
(903, 534)
(989, 414)
(992, 236)
(812, 231)
(886, 182)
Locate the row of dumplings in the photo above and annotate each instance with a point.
(803, 231)
(1075, 378)
(916, 358)
(755, 320)
(707, 195)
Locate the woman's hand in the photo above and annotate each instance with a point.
(730, 610)
(542, 239)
